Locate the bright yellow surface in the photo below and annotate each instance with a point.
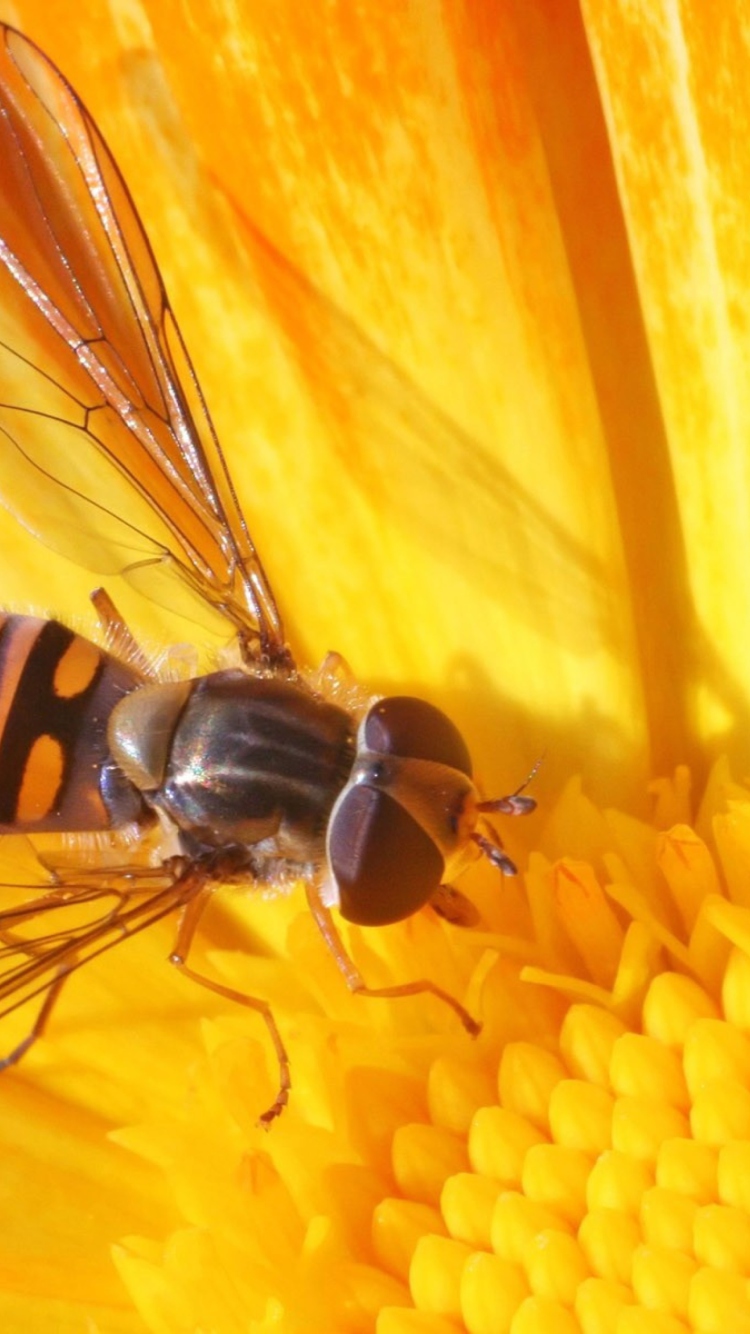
(465, 286)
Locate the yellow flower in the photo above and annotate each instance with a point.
(465, 288)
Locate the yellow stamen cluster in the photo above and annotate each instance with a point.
(608, 1187)
(585, 1166)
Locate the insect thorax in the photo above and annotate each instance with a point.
(237, 759)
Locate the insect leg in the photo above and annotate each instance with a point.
(118, 633)
(40, 1023)
(189, 919)
(354, 979)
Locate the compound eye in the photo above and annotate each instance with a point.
(385, 865)
(415, 730)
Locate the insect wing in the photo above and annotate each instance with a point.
(52, 923)
(100, 411)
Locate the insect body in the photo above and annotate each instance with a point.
(252, 772)
(58, 691)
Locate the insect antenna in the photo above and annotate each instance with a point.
(493, 850)
(513, 804)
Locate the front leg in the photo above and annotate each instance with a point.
(354, 979)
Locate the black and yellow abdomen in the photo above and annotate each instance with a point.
(57, 691)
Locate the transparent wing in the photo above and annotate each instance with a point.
(100, 411)
(50, 926)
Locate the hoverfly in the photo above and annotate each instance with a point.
(251, 773)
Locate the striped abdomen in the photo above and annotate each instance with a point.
(57, 691)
